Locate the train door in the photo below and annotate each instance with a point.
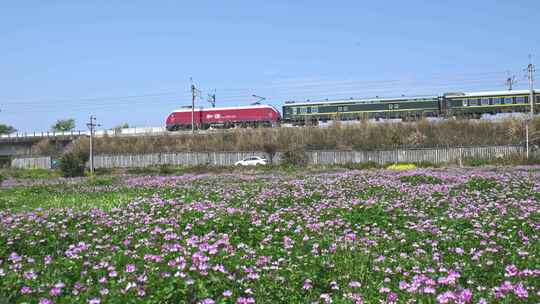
(443, 107)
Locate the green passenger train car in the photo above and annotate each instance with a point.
(468, 105)
(354, 109)
(494, 102)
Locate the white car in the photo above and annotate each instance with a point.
(251, 161)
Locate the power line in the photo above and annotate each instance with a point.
(312, 91)
(284, 84)
(318, 88)
(334, 87)
(88, 99)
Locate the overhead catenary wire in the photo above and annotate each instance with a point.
(280, 84)
(302, 91)
(348, 88)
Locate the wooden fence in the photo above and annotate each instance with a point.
(435, 156)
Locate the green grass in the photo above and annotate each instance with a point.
(30, 173)
(79, 197)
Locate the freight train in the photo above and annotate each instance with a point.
(465, 105)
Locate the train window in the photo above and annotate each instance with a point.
(473, 102)
(340, 109)
(508, 100)
(314, 110)
(520, 99)
(538, 99)
(297, 110)
(396, 106)
(390, 106)
(462, 101)
(345, 109)
(497, 100)
(303, 110)
(485, 101)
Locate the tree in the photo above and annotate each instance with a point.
(6, 129)
(124, 125)
(72, 164)
(118, 128)
(271, 150)
(63, 125)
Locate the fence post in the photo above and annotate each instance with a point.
(460, 157)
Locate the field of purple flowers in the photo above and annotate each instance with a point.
(418, 236)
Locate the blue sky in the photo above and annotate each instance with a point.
(130, 61)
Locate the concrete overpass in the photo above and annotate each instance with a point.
(21, 143)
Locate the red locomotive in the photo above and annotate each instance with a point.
(226, 117)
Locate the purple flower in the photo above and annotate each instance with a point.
(465, 296)
(446, 297)
(307, 284)
(45, 301)
(227, 293)
(326, 298)
(355, 284)
(511, 270)
(55, 291)
(520, 291)
(130, 268)
(392, 297)
(29, 275)
(94, 301)
(403, 285)
(14, 257)
(26, 290)
(245, 300)
(287, 242)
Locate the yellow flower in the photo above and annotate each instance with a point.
(401, 166)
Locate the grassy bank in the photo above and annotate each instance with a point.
(363, 136)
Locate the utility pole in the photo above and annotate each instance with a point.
(193, 96)
(530, 70)
(510, 81)
(212, 99)
(92, 125)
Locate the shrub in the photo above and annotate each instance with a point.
(166, 170)
(295, 156)
(476, 161)
(271, 150)
(362, 166)
(2, 178)
(72, 164)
